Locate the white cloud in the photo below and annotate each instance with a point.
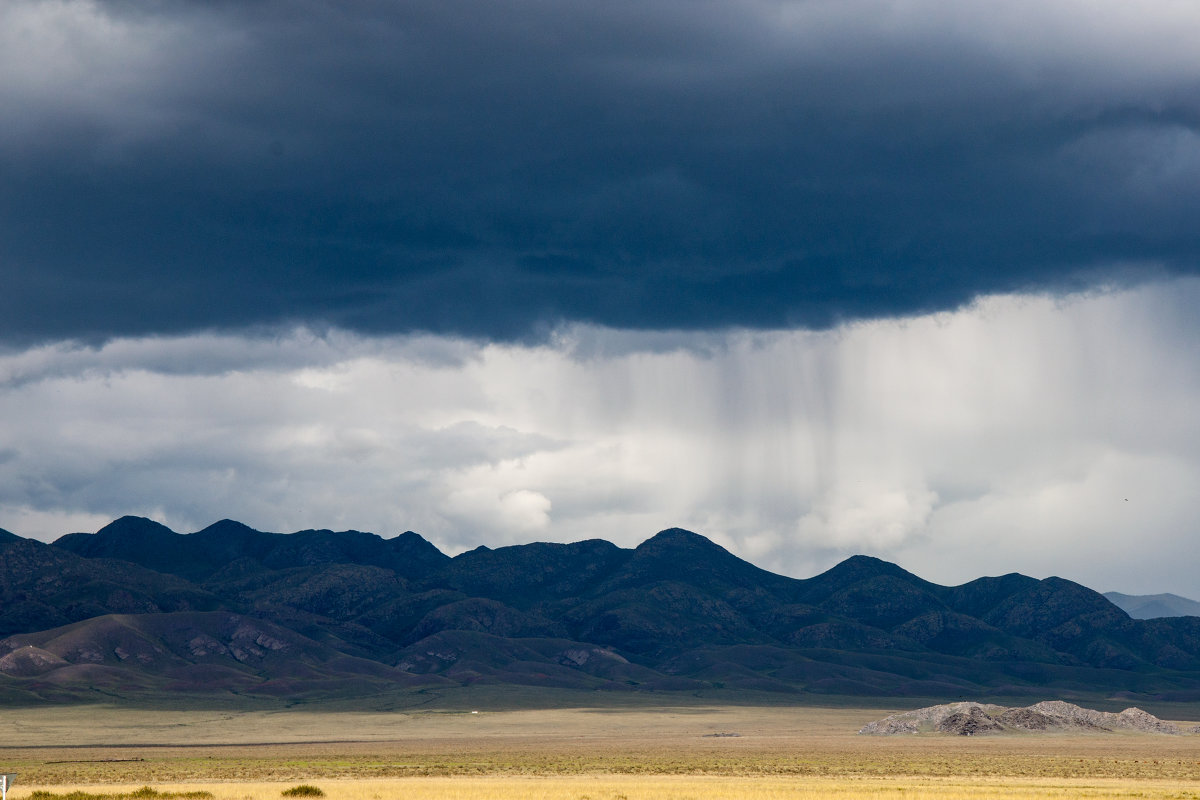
(1003, 437)
(867, 516)
(18, 518)
(515, 513)
(1114, 520)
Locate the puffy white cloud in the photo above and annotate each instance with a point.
(868, 516)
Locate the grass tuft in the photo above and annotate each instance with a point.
(303, 790)
(144, 793)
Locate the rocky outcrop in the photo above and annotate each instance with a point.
(1131, 719)
(29, 660)
(924, 720)
(969, 723)
(1027, 719)
(973, 719)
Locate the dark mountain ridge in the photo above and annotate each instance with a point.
(197, 556)
(42, 586)
(676, 612)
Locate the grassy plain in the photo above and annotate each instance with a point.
(634, 753)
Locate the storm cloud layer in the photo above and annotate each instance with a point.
(498, 169)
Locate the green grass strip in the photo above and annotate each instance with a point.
(144, 793)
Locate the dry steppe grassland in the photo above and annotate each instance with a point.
(668, 753)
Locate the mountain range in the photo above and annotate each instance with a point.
(137, 609)
(1153, 606)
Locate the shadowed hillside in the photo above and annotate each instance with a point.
(678, 612)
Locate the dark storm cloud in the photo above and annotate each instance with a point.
(493, 168)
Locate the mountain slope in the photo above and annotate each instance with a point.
(191, 652)
(42, 586)
(676, 612)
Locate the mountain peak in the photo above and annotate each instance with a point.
(676, 537)
(228, 526)
(135, 526)
(679, 546)
(856, 570)
(413, 554)
(677, 554)
(679, 533)
(860, 561)
(414, 544)
(860, 567)
(137, 539)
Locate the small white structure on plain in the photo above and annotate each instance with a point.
(6, 780)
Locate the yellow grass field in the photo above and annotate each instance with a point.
(677, 787)
(573, 754)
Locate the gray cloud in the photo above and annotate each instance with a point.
(494, 170)
(1025, 433)
(207, 354)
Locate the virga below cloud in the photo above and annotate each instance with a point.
(1022, 434)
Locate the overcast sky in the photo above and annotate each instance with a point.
(916, 279)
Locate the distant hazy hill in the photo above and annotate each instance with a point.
(138, 608)
(1153, 606)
